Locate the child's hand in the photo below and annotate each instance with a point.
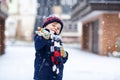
(43, 32)
(63, 52)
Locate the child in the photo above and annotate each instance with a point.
(50, 55)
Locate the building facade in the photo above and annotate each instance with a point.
(72, 31)
(62, 9)
(20, 23)
(3, 16)
(100, 24)
(46, 8)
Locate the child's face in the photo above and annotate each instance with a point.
(55, 27)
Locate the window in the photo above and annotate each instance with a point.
(10, 1)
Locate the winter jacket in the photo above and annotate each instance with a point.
(43, 66)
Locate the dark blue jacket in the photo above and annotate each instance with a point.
(43, 64)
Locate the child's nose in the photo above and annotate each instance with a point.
(55, 28)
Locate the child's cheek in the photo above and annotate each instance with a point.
(57, 32)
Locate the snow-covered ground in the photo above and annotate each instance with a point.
(87, 66)
(17, 64)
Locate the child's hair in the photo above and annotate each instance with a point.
(51, 19)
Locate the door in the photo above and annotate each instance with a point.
(95, 37)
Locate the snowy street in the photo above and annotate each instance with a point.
(17, 64)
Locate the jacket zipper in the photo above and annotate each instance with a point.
(42, 64)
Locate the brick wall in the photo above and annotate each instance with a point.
(111, 33)
(2, 37)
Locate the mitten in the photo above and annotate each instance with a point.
(63, 52)
(43, 32)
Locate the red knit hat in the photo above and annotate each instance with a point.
(52, 19)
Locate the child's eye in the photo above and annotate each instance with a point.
(58, 28)
(53, 25)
